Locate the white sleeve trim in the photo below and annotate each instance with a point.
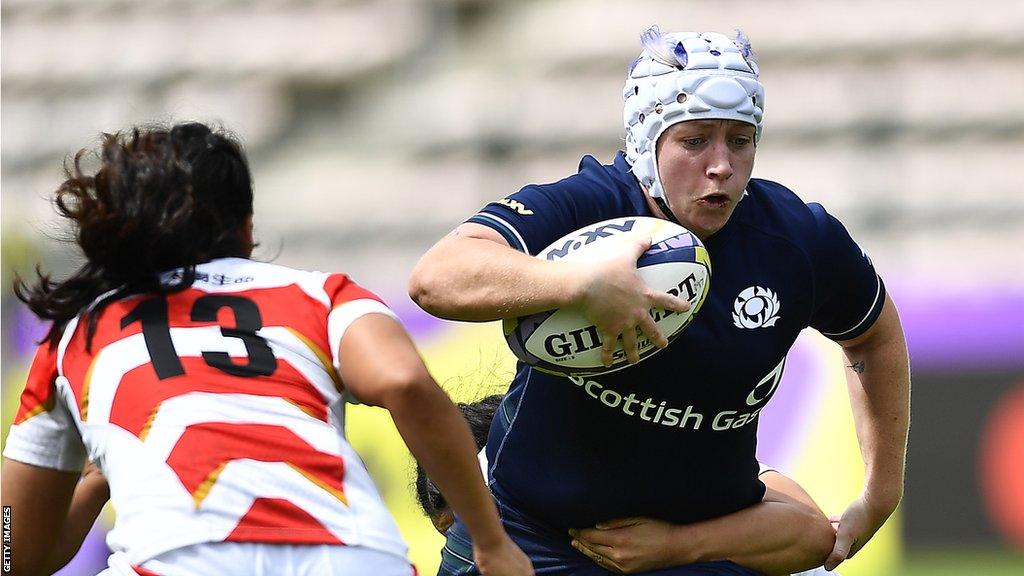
(65, 341)
(481, 458)
(765, 468)
(868, 314)
(339, 320)
(41, 443)
(507, 226)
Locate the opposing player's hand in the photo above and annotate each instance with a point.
(856, 526)
(95, 483)
(503, 559)
(627, 545)
(617, 301)
(91, 471)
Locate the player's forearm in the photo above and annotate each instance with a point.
(91, 494)
(39, 499)
(878, 377)
(773, 537)
(474, 279)
(439, 438)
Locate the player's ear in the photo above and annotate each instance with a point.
(443, 520)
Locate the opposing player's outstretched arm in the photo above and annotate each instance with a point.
(785, 533)
(878, 381)
(380, 366)
(473, 274)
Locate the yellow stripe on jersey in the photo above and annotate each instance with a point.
(204, 488)
(36, 412)
(330, 489)
(325, 360)
(149, 423)
(305, 410)
(84, 400)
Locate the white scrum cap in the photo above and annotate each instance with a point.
(686, 76)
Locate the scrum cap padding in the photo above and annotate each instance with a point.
(686, 76)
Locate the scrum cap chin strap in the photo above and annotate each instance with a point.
(666, 210)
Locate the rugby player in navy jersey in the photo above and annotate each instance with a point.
(672, 438)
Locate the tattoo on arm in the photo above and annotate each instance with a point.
(857, 367)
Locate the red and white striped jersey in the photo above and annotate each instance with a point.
(216, 413)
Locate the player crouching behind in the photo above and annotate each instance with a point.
(637, 545)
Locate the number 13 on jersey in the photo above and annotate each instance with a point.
(152, 315)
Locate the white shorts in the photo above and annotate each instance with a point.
(258, 559)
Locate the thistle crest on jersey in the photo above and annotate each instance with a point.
(756, 307)
(686, 76)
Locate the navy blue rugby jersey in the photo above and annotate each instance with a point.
(674, 436)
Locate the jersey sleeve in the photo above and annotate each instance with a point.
(44, 433)
(849, 294)
(530, 219)
(349, 302)
(538, 214)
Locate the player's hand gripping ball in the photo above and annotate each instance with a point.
(563, 341)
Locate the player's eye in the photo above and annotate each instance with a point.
(693, 141)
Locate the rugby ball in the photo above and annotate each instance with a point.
(564, 342)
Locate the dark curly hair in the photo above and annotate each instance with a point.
(479, 415)
(162, 199)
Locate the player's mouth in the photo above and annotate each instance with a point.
(717, 201)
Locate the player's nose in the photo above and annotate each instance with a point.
(719, 165)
